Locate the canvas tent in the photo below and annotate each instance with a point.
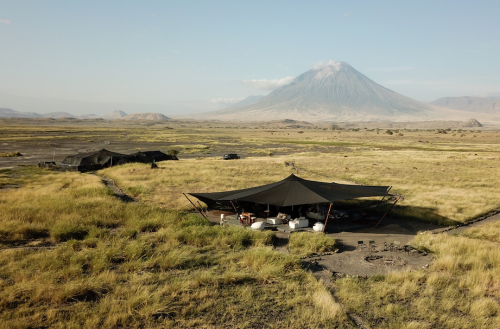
(94, 160)
(294, 190)
(149, 156)
(103, 158)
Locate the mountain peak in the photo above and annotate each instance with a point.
(330, 91)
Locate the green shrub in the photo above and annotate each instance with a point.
(172, 151)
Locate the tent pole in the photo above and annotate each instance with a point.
(387, 211)
(195, 206)
(383, 198)
(236, 211)
(199, 204)
(328, 215)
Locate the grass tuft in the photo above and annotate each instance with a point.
(307, 243)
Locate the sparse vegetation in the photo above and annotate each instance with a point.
(90, 260)
(11, 154)
(306, 243)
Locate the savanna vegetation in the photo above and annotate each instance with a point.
(73, 255)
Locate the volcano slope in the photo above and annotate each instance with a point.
(335, 91)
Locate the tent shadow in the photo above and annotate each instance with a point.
(407, 220)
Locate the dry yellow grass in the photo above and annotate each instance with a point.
(135, 265)
(460, 289)
(141, 265)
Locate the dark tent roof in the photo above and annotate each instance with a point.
(148, 156)
(294, 191)
(100, 157)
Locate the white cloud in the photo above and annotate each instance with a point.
(268, 84)
(4, 21)
(225, 100)
(347, 14)
(177, 52)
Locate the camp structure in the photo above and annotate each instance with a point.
(149, 156)
(294, 190)
(97, 160)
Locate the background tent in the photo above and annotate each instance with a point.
(98, 158)
(148, 156)
(295, 191)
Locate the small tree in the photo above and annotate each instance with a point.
(172, 151)
(389, 132)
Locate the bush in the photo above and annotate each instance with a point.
(172, 151)
(389, 132)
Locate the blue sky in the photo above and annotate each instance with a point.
(180, 57)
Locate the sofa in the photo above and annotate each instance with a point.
(299, 223)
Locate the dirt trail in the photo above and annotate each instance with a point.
(118, 192)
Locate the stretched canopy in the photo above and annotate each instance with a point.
(294, 191)
(149, 156)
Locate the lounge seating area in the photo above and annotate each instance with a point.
(309, 197)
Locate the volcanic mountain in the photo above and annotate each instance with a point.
(335, 91)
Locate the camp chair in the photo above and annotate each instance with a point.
(372, 246)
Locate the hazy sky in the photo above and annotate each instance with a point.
(187, 56)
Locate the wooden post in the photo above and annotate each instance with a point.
(328, 215)
(387, 211)
(195, 206)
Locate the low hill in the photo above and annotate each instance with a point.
(57, 115)
(490, 105)
(145, 116)
(472, 123)
(115, 115)
(9, 113)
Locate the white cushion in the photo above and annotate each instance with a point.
(293, 224)
(318, 227)
(303, 222)
(274, 221)
(258, 226)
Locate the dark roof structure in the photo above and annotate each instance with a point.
(294, 190)
(101, 157)
(149, 156)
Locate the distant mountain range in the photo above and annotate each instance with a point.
(490, 105)
(9, 113)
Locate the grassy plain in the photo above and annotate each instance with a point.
(114, 264)
(153, 264)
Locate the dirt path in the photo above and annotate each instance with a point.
(118, 192)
